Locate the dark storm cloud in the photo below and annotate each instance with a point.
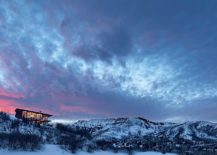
(100, 58)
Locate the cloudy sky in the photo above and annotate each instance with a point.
(81, 59)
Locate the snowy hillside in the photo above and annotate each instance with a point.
(115, 134)
(124, 127)
(55, 150)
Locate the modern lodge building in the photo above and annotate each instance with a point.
(32, 116)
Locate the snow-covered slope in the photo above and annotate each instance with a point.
(117, 133)
(14, 125)
(124, 127)
(56, 150)
(193, 131)
(118, 128)
(47, 150)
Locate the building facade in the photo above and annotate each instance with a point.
(32, 116)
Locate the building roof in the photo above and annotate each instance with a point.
(33, 112)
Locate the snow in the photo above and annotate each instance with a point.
(187, 134)
(110, 153)
(120, 127)
(153, 153)
(48, 150)
(56, 150)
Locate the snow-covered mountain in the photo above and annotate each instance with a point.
(123, 127)
(116, 134)
(130, 127)
(144, 135)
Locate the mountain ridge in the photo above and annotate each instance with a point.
(117, 134)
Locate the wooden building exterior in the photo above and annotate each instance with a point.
(33, 116)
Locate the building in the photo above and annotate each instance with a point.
(33, 116)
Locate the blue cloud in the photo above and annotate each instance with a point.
(152, 58)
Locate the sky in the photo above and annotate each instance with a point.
(83, 59)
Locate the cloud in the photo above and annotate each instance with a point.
(87, 59)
